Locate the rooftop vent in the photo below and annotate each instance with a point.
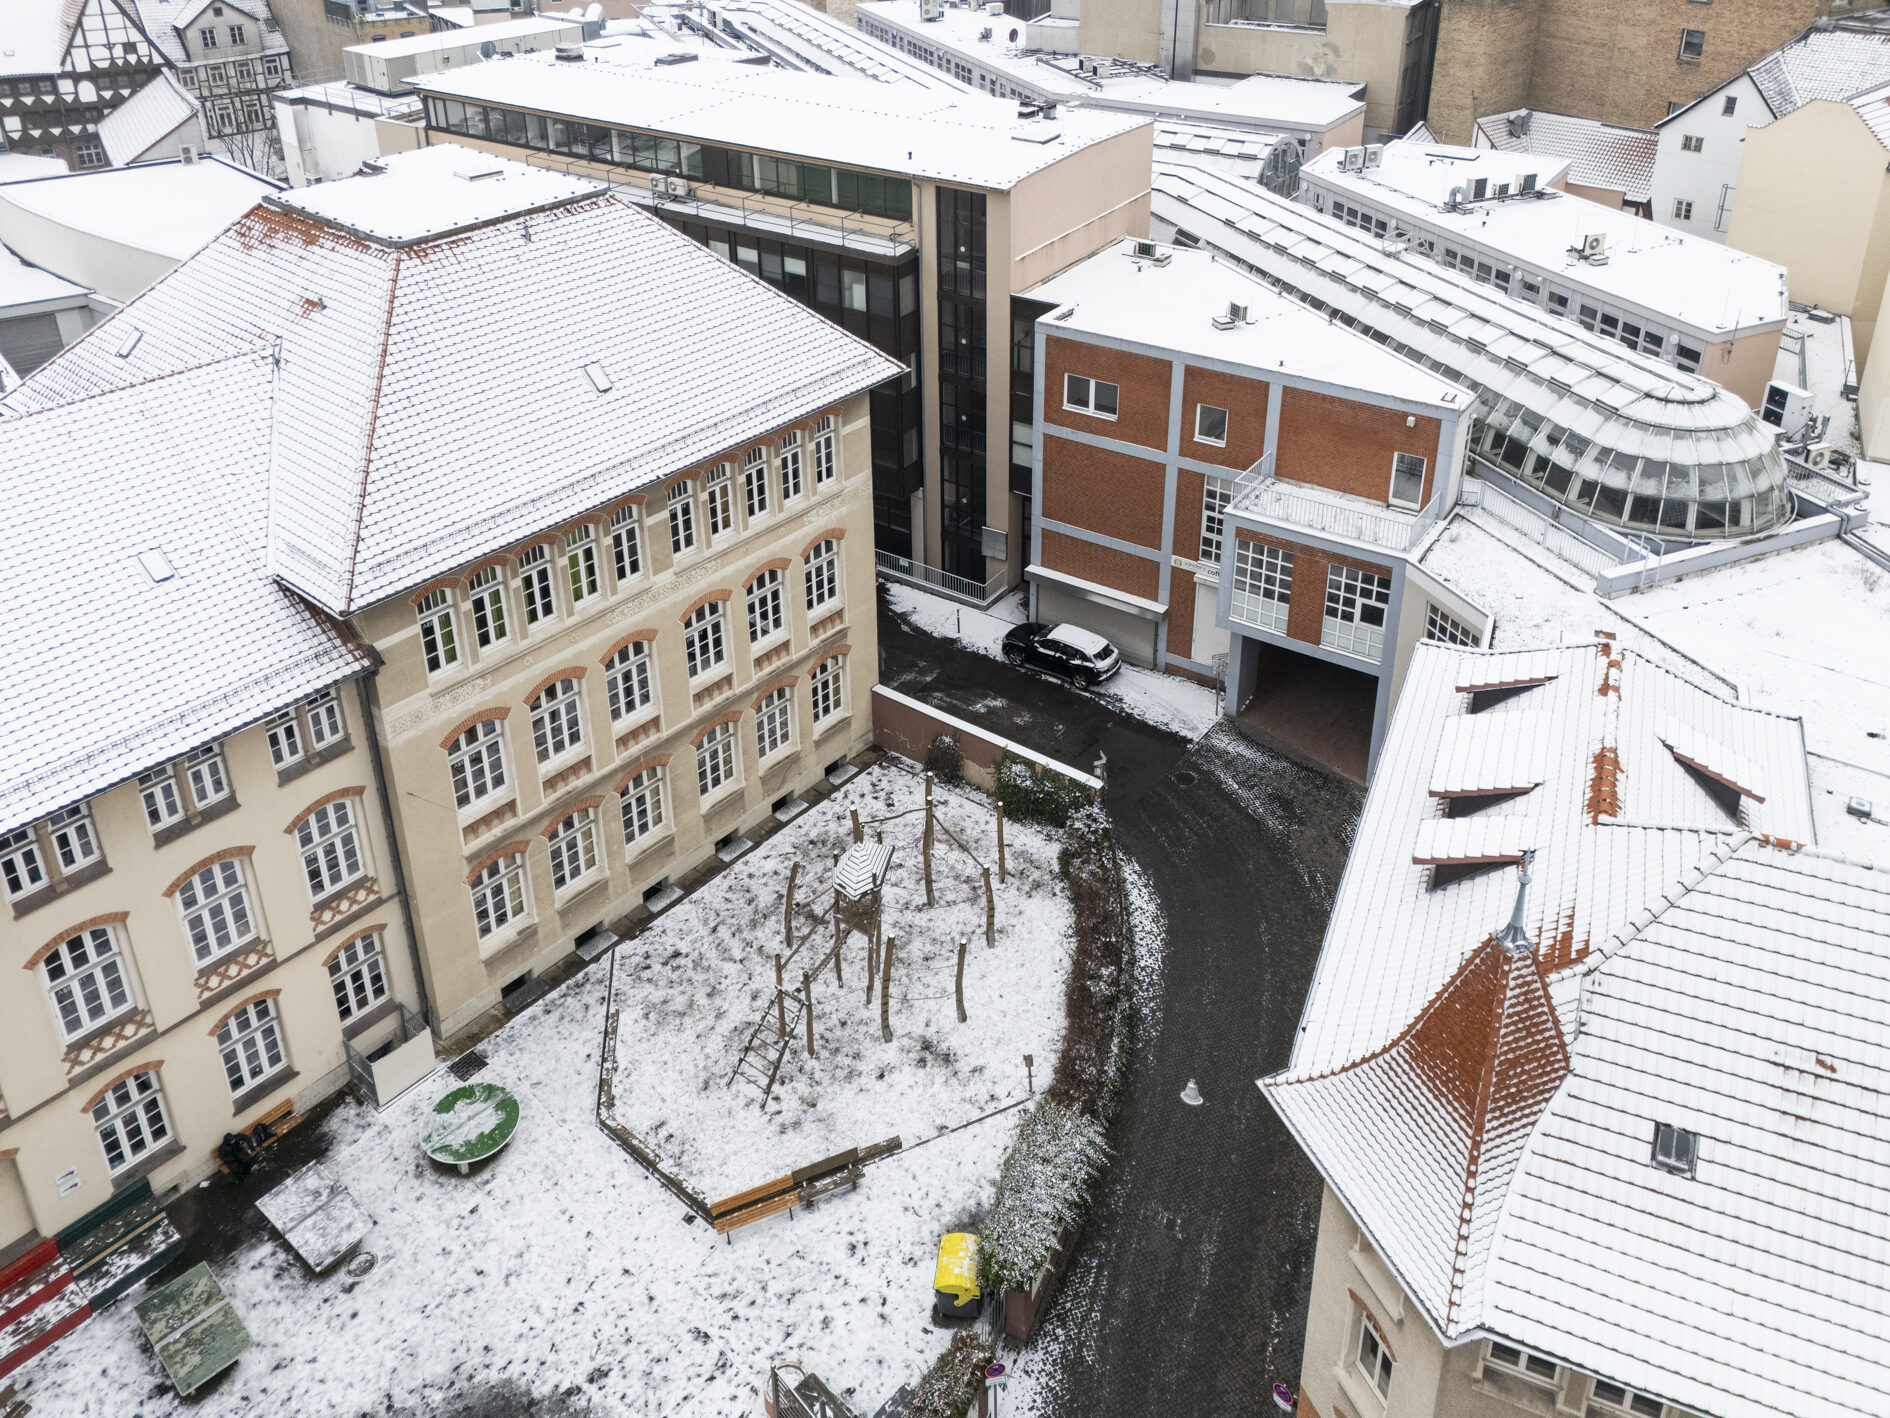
(1676, 1150)
(1149, 251)
(129, 343)
(477, 174)
(1594, 244)
(1526, 183)
(157, 566)
(1237, 312)
(664, 60)
(570, 53)
(599, 377)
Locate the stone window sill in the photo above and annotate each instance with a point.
(256, 1092)
(170, 832)
(499, 943)
(147, 1164)
(359, 1024)
(313, 759)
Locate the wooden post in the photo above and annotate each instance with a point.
(961, 980)
(807, 1008)
(885, 990)
(859, 832)
(1000, 843)
(780, 1002)
(787, 926)
(990, 912)
(836, 967)
(872, 957)
(928, 839)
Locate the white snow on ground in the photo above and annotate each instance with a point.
(692, 987)
(1181, 706)
(562, 1268)
(1150, 923)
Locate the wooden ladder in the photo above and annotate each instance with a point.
(767, 1046)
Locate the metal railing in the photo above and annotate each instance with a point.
(1258, 492)
(948, 583)
(407, 1026)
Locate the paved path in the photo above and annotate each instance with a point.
(1188, 1295)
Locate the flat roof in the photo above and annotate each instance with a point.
(353, 98)
(1698, 283)
(1171, 304)
(169, 207)
(460, 39)
(21, 284)
(430, 191)
(960, 138)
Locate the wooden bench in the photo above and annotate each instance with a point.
(113, 1247)
(273, 1124)
(769, 1199)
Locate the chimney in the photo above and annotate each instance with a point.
(1513, 937)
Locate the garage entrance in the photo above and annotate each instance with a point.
(1311, 709)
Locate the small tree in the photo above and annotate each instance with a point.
(944, 760)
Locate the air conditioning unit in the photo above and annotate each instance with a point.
(1786, 406)
(931, 9)
(1374, 154)
(1818, 457)
(1352, 160)
(1594, 244)
(984, 35)
(187, 154)
(1237, 312)
(1526, 183)
(996, 7)
(1145, 248)
(1223, 322)
(678, 187)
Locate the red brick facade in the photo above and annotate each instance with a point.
(1346, 446)
(1142, 416)
(1246, 403)
(1102, 491)
(1105, 566)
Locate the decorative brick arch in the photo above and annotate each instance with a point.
(785, 682)
(779, 563)
(226, 855)
(836, 653)
(732, 716)
(376, 929)
(110, 918)
(552, 540)
(832, 534)
(596, 800)
(599, 520)
(642, 765)
(245, 1003)
(478, 716)
(700, 601)
(323, 801)
(635, 499)
(629, 639)
(442, 583)
(504, 849)
(688, 476)
(1372, 1320)
(568, 672)
(501, 562)
(148, 1066)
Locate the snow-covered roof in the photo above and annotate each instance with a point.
(17, 167)
(1873, 107)
(166, 20)
(21, 284)
(960, 138)
(146, 119)
(1171, 304)
(1825, 62)
(37, 33)
(1488, 1117)
(442, 40)
(1599, 154)
(139, 671)
(405, 362)
(169, 207)
(1696, 283)
(797, 36)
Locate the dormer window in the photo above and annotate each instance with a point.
(1676, 1149)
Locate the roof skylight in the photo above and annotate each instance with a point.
(599, 377)
(1676, 1149)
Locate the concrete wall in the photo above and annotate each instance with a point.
(322, 144)
(1372, 44)
(907, 727)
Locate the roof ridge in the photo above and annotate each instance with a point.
(11, 416)
(367, 439)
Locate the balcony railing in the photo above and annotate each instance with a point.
(1259, 493)
(959, 588)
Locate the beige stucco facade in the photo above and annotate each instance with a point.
(596, 771)
(131, 910)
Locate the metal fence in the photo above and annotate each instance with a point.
(947, 583)
(407, 1026)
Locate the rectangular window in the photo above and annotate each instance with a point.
(358, 977)
(852, 289)
(1216, 493)
(627, 679)
(21, 870)
(130, 1119)
(477, 761)
(86, 978)
(1682, 211)
(703, 646)
(163, 804)
(204, 772)
(643, 805)
(557, 723)
(325, 724)
(765, 613)
(488, 606)
(1263, 585)
(823, 451)
(331, 848)
(534, 584)
(790, 458)
(73, 840)
(755, 481)
(1687, 357)
(1508, 1356)
(436, 630)
(1625, 1400)
(1090, 396)
(1676, 1149)
(1440, 625)
(252, 1045)
(718, 495)
(1692, 43)
(682, 517)
(236, 34)
(580, 562)
(626, 545)
(1210, 425)
(1407, 480)
(820, 570)
(774, 722)
(1558, 302)
(1355, 611)
(1374, 1360)
(573, 846)
(207, 37)
(498, 894)
(1691, 142)
(285, 739)
(216, 909)
(715, 759)
(1731, 106)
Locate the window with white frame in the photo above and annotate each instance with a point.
(820, 571)
(331, 848)
(74, 841)
(827, 684)
(1728, 108)
(487, 591)
(643, 804)
(765, 614)
(774, 722)
(627, 680)
(1210, 425)
(216, 910)
(823, 451)
(325, 723)
(498, 894)
(1521, 1361)
(358, 977)
(86, 978)
(1374, 1360)
(557, 721)
(1692, 44)
(580, 562)
(1441, 625)
(755, 481)
(163, 803)
(718, 497)
(1090, 396)
(437, 638)
(682, 517)
(1356, 602)
(715, 759)
(573, 845)
(1407, 480)
(207, 778)
(703, 644)
(285, 739)
(626, 542)
(1263, 585)
(1682, 210)
(1216, 494)
(130, 1119)
(477, 761)
(1692, 143)
(1609, 1399)
(21, 870)
(534, 584)
(251, 1044)
(789, 456)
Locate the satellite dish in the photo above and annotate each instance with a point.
(487, 49)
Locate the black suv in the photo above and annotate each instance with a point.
(1068, 651)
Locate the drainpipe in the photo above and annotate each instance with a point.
(393, 840)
